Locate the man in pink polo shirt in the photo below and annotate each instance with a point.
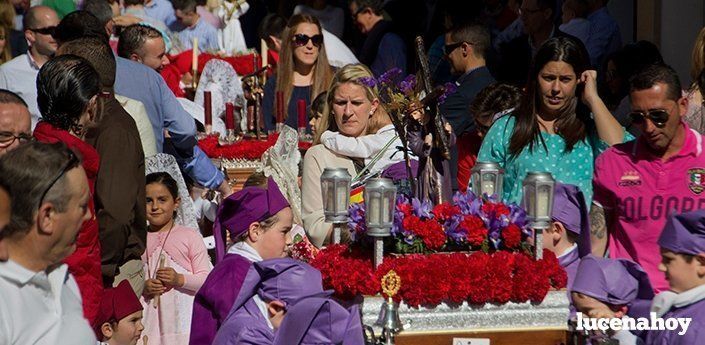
(638, 184)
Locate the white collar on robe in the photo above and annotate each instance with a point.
(666, 300)
(245, 250)
(568, 251)
(262, 306)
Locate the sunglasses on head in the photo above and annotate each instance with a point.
(658, 116)
(49, 30)
(301, 40)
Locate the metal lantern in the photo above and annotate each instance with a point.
(335, 189)
(538, 201)
(487, 178)
(380, 195)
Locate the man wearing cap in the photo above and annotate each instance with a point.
(682, 245)
(612, 288)
(639, 183)
(40, 302)
(119, 320)
(258, 219)
(270, 288)
(320, 320)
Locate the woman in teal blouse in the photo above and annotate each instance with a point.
(552, 130)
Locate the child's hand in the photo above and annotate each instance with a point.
(169, 277)
(153, 287)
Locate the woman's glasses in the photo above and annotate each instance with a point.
(301, 40)
(658, 116)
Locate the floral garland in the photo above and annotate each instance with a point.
(428, 280)
(470, 223)
(244, 149)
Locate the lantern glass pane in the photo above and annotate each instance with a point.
(388, 206)
(327, 194)
(543, 198)
(374, 207)
(530, 199)
(342, 196)
(489, 180)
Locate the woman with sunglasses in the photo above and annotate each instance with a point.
(560, 126)
(302, 71)
(67, 93)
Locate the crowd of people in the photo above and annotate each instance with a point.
(100, 166)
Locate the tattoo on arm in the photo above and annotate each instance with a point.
(598, 223)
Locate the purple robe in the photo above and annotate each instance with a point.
(696, 330)
(570, 262)
(216, 297)
(246, 325)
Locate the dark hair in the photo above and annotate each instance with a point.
(475, 34)
(79, 24)
(318, 105)
(186, 6)
(98, 53)
(99, 8)
(272, 25)
(133, 2)
(9, 97)
(166, 180)
(651, 75)
(495, 98)
(573, 120)
(377, 6)
(548, 4)
(65, 86)
(26, 185)
(257, 179)
(133, 37)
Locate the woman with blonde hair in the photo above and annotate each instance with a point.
(302, 72)
(353, 110)
(696, 105)
(7, 18)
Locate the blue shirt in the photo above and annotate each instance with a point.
(207, 36)
(604, 37)
(161, 10)
(140, 82)
(391, 53)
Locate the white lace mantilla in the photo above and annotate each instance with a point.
(220, 78)
(281, 162)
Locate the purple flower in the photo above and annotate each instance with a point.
(408, 84)
(368, 81)
(389, 76)
(356, 221)
(450, 88)
(422, 209)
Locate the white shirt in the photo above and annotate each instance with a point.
(19, 75)
(36, 308)
(337, 52)
(138, 113)
(367, 146)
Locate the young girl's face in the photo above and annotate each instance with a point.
(681, 274)
(128, 331)
(593, 308)
(272, 242)
(160, 205)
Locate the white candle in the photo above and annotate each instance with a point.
(488, 187)
(385, 212)
(374, 211)
(542, 202)
(194, 63)
(263, 52)
(343, 199)
(330, 198)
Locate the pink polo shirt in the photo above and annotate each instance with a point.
(638, 192)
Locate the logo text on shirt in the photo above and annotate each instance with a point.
(630, 178)
(696, 180)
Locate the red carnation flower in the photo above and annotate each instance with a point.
(445, 211)
(475, 229)
(511, 236)
(499, 209)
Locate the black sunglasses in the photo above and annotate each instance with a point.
(301, 40)
(49, 30)
(72, 163)
(658, 116)
(449, 48)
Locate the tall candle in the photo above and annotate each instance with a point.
(301, 111)
(343, 198)
(374, 211)
(542, 202)
(207, 110)
(263, 50)
(330, 198)
(280, 107)
(385, 211)
(229, 116)
(194, 63)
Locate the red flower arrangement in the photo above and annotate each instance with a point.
(248, 149)
(428, 280)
